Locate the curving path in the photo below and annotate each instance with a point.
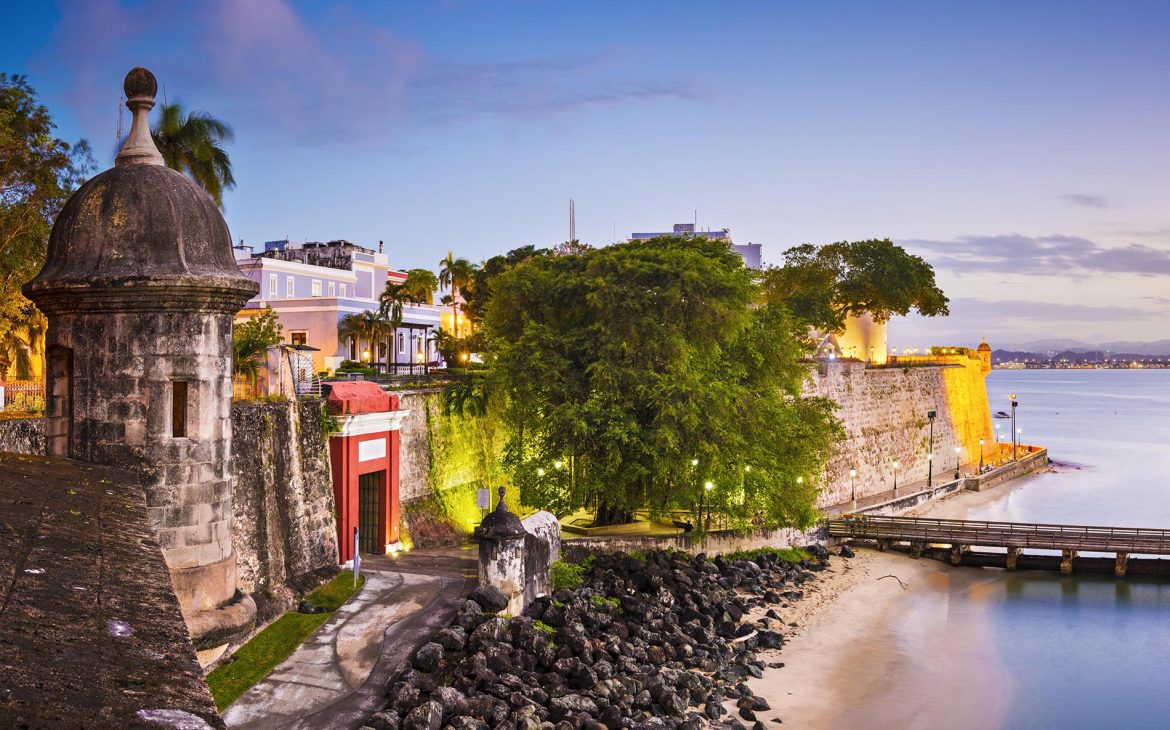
(338, 676)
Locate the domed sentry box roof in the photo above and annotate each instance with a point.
(501, 524)
(983, 346)
(140, 236)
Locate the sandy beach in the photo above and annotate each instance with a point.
(878, 644)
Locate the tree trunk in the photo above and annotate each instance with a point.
(609, 515)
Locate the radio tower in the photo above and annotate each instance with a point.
(572, 220)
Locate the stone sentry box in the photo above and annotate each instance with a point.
(516, 556)
(140, 288)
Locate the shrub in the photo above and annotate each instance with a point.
(788, 555)
(566, 575)
(602, 602)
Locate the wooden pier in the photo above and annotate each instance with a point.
(1014, 537)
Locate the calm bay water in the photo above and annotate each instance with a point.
(1080, 651)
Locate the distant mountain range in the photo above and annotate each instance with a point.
(1049, 347)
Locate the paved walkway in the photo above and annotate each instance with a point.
(338, 676)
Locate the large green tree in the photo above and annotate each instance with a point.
(38, 173)
(192, 143)
(822, 286)
(635, 374)
(479, 294)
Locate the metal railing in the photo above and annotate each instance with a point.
(24, 396)
(1090, 538)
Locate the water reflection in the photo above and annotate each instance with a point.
(1081, 651)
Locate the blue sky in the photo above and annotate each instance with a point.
(1021, 147)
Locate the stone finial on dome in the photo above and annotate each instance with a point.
(501, 523)
(139, 149)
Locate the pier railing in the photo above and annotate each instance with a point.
(1089, 538)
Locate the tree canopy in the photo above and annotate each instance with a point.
(38, 173)
(635, 374)
(824, 285)
(420, 286)
(478, 295)
(251, 339)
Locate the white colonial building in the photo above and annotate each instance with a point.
(312, 285)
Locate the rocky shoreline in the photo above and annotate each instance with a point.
(657, 641)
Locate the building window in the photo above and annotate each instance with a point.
(290, 287)
(299, 338)
(352, 349)
(316, 287)
(401, 343)
(273, 287)
(343, 290)
(332, 288)
(179, 409)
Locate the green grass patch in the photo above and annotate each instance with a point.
(788, 555)
(544, 628)
(254, 660)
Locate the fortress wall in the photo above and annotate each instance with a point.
(884, 412)
(23, 435)
(284, 530)
(414, 444)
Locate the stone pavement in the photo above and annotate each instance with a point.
(338, 676)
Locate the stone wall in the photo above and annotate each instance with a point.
(23, 435)
(884, 412)
(719, 542)
(414, 445)
(285, 528)
(445, 459)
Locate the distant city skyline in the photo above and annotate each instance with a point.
(1020, 148)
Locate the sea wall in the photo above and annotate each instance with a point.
(719, 542)
(884, 413)
(284, 530)
(23, 435)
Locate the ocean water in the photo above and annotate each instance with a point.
(1080, 651)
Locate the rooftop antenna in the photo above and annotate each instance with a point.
(121, 109)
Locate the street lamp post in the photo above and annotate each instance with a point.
(957, 450)
(930, 452)
(1015, 439)
(895, 477)
(707, 487)
(852, 490)
(980, 456)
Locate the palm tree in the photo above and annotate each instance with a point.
(20, 341)
(192, 144)
(354, 327)
(375, 326)
(456, 274)
(420, 286)
(394, 296)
